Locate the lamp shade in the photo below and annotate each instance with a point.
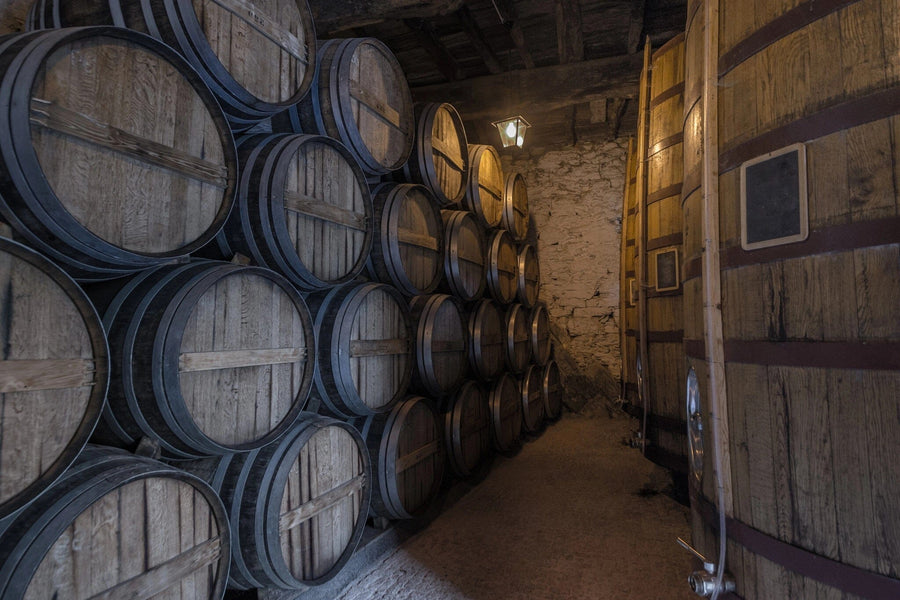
(512, 130)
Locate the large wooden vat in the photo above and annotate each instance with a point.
(484, 190)
(118, 526)
(464, 255)
(502, 268)
(505, 403)
(360, 96)
(408, 457)
(257, 58)
(467, 429)
(100, 186)
(440, 155)
(365, 356)
(661, 251)
(628, 323)
(207, 358)
(297, 507)
(801, 365)
(53, 376)
(409, 238)
(487, 349)
(440, 344)
(303, 209)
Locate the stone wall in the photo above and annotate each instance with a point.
(575, 199)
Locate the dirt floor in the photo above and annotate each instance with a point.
(576, 514)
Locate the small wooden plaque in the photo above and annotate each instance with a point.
(774, 202)
(667, 270)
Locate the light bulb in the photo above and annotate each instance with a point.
(511, 129)
(519, 141)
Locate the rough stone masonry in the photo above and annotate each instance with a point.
(575, 200)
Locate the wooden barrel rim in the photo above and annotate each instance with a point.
(389, 450)
(100, 351)
(428, 312)
(342, 94)
(453, 427)
(516, 225)
(540, 346)
(452, 254)
(278, 482)
(113, 469)
(552, 411)
(389, 238)
(27, 65)
(502, 293)
(174, 322)
(279, 226)
(476, 338)
(528, 256)
(425, 160)
(517, 325)
(349, 298)
(499, 415)
(474, 185)
(532, 393)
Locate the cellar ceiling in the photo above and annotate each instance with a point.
(570, 67)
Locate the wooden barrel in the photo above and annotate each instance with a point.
(207, 358)
(118, 526)
(552, 391)
(440, 344)
(359, 96)
(464, 255)
(502, 266)
(408, 457)
(532, 398)
(86, 127)
(303, 209)
(807, 357)
(487, 350)
(514, 218)
(484, 190)
(440, 155)
(628, 319)
(53, 376)
(528, 275)
(467, 429)
(409, 238)
(505, 403)
(517, 338)
(661, 244)
(539, 334)
(365, 356)
(257, 58)
(297, 507)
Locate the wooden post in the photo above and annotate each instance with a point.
(640, 266)
(623, 280)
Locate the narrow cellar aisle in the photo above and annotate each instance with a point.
(575, 515)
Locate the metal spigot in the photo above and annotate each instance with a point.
(703, 583)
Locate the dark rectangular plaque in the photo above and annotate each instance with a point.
(773, 199)
(667, 270)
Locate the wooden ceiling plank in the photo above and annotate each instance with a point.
(540, 89)
(569, 31)
(636, 26)
(432, 44)
(510, 20)
(479, 42)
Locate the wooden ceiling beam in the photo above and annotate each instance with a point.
(509, 18)
(479, 42)
(432, 44)
(340, 15)
(538, 90)
(636, 26)
(569, 31)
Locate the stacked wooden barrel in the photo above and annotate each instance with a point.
(236, 324)
(790, 307)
